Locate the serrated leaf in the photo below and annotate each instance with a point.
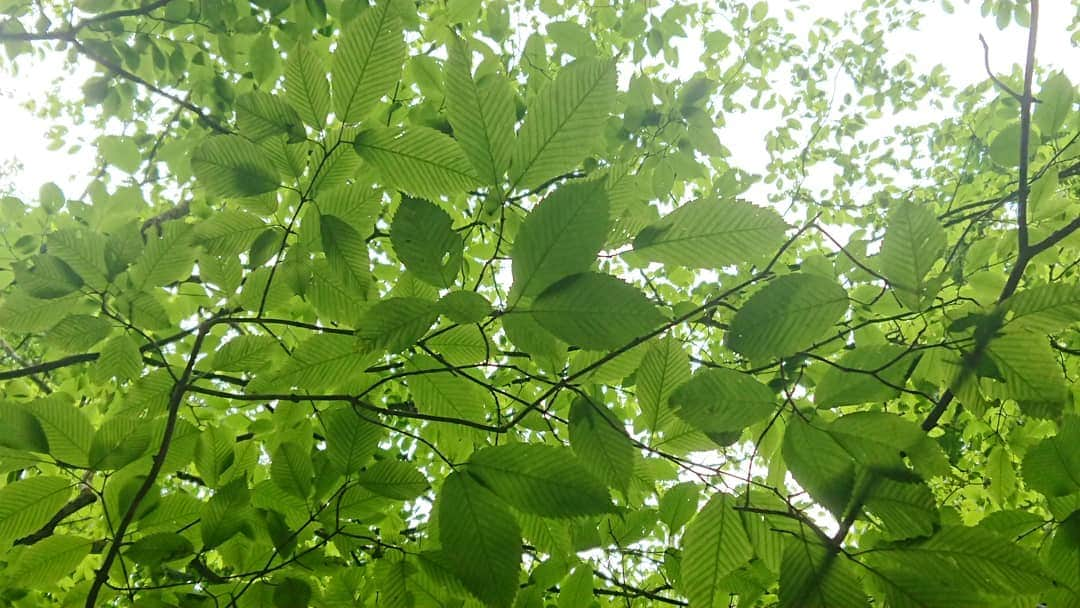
(813, 575)
(229, 232)
(481, 538)
(351, 440)
(563, 122)
(903, 509)
(819, 464)
(156, 549)
(165, 259)
(346, 251)
(118, 441)
(464, 306)
(424, 240)
(306, 87)
(914, 240)
(439, 390)
(66, 427)
(260, 115)
(600, 441)
(367, 62)
(721, 400)
(27, 504)
(243, 354)
(229, 165)
(595, 311)
(560, 237)
(84, 252)
(481, 111)
(663, 369)
(418, 160)
(320, 363)
(714, 545)
(539, 479)
(1028, 366)
(883, 441)
(49, 560)
(786, 316)
(120, 358)
(1055, 104)
(1045, 308)
(394, 324)
(679, 505)
(711, 233)
(1051, 466)
(22, 431)
(868, 374)
(393, 479)
(291, 470)
(226, 513)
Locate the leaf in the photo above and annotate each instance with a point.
(84, 252)
(577, 589)
(881, 372)
(226, 513)
(663, 369)
(481, 538)
(231, 231)
(714, 545)
(120, 358)
(563, 123)
(22, 431)
(721, 400)
(1052, 466)
(49, 560)
(440, 391)
(120, 440)
(884, 441)
(321, 362)
(600, 441)
(156, 549)
(424, 240)
(1055, 104)
(306, 87)
(1028, 366)
(351, 440)
(1045, 308)
(229, 165)
(914, 240)
(539, 479)
(481, 111)
(166, 259)
(393, 479)
(711, 233)
(464, 306)
(291, 469)
(367, 62)
(243, 354)
(22, 313)
(346, 251)
(903, 509)
(819, 464)
(394, 324)
(260, 115)
(560, 237)
(27, 504)
(418, 160)
(786, 316)
(595, 311)
(679, 505)
(66, 427)
(815, 575)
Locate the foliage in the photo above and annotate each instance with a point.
(475, 304)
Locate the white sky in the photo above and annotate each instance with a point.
(951, 40)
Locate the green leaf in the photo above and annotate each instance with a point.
(786, 316)
(260, 115)
(22, 313)
(291, 591)
(821, 466)
(1045, 308)
(902, 509)
(679, 505)
(27, 504)
(1028, 366)
(464, 306)
(118, 441)
(481, 538)
(714, 545)
(914, 240)
(883, 441)
(159, 548)
(226, 513)
(560, 237)
(393, 479)
(120, 358)
(291, 469)
(595, 311)
(721, 400)
(346, 251)
(958, 566)
(166, 259)
(84, 252)
(49, 560)
(1055, 104)
(229, 165)
(367, 62)
(481, 111)
(600, 441)
(563, 123)
(868, 374)
(438, 390)
(813, 575)
(231, 231)
(306, 87)
(394, 324)
(663, 369)
(577, 589)
(424, 240)
(66, 427)
(22, 431)
(322, 362)
(539, 479)
(243, 354)
(1051, 466)
(418, 160)
(351, 440)
(711, 233)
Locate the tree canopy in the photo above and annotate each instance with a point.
(450, 303)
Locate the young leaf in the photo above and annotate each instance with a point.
(714, 545)
(595, 311)
(711, 233)
(481, 538)
(601, 443)
(419, 160)
(367, 62)
(229, 165)
(560, 237)
(1055, 104)
(663, 369)
(424, 240)
(786, 316)
(563, 123)
(914, 240)
(540, 479)
(481, 112)
(306, 87)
